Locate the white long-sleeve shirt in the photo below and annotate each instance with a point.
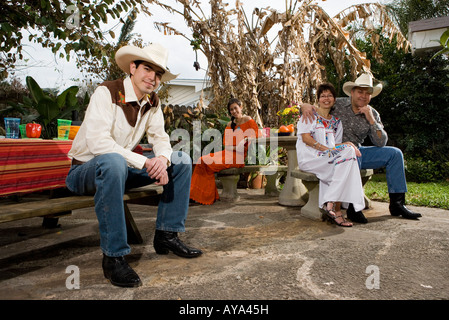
(107, 126)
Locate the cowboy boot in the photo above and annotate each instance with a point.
(165, 241)
(117, 270)
(398, 208)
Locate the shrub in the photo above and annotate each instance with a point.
(421, 170)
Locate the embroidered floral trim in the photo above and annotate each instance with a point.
(334, 152)
(122, 97)
(344, 160)
(331, 152)
(331, 124)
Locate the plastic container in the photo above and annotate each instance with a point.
(64, 129)
(12, 128)
(23, 131)
(73, 132)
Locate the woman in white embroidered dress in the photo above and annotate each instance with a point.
(321, 151)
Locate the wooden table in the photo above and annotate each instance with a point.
(31, 165)
(294, 193)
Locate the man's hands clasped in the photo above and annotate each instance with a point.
(157, 169)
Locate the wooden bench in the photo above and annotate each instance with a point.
(53, 208)
(311, 182)
(230, 177)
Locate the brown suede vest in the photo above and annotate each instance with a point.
(131, 109)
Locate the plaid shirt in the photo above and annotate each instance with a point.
(355, 126)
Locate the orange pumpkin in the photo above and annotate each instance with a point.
(283, 129)
(291, 127)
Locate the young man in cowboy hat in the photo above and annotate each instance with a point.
(120, 112)
(360, 121)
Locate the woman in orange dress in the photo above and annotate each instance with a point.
(241, 127)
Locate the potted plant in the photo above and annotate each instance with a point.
(288, 118)
(257, 180)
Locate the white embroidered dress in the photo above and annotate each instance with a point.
(337, 168)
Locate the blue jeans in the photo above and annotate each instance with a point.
(391, 159)
(108, 176)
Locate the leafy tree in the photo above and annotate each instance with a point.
(405, 11)
(417, 90)
(64, 26)
(13, 90)
(105, 67)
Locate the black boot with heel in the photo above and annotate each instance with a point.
(117, 270)
(166, 241)
(398, 208)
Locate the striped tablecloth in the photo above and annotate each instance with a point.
(30, 165)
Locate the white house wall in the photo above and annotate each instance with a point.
(188, 93)
(424, 35)
(426, 40)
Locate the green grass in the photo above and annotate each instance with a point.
(430, 194)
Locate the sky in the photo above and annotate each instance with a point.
(50, 72)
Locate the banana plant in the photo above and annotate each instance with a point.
(444, 42)
(49, 108)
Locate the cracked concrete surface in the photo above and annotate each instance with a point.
(254, 249)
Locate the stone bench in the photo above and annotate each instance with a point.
(311, 182)
(230, 177)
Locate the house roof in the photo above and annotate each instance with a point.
(429, 24)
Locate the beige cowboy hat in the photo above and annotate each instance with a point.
(363, 81)
(153, 53)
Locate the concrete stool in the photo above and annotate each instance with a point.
(271, 188)
(311, 182)
(229, 182)
(229, 179)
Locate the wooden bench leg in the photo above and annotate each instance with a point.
(229, 191)
(311, 209)
(134, 236)
(51, 221)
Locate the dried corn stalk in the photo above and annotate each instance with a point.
(268, 74)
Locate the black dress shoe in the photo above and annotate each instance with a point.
(117, 270)
(355, 216)
(398, 208)
(166, 241)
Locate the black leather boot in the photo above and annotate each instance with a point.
(398, 208)
(355, 216)
(165, 241)
(117, 270)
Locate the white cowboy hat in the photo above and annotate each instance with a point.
(153, 53)
(364, 81)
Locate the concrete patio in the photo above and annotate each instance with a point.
(253, 250)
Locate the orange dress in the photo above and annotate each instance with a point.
(203, 188)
